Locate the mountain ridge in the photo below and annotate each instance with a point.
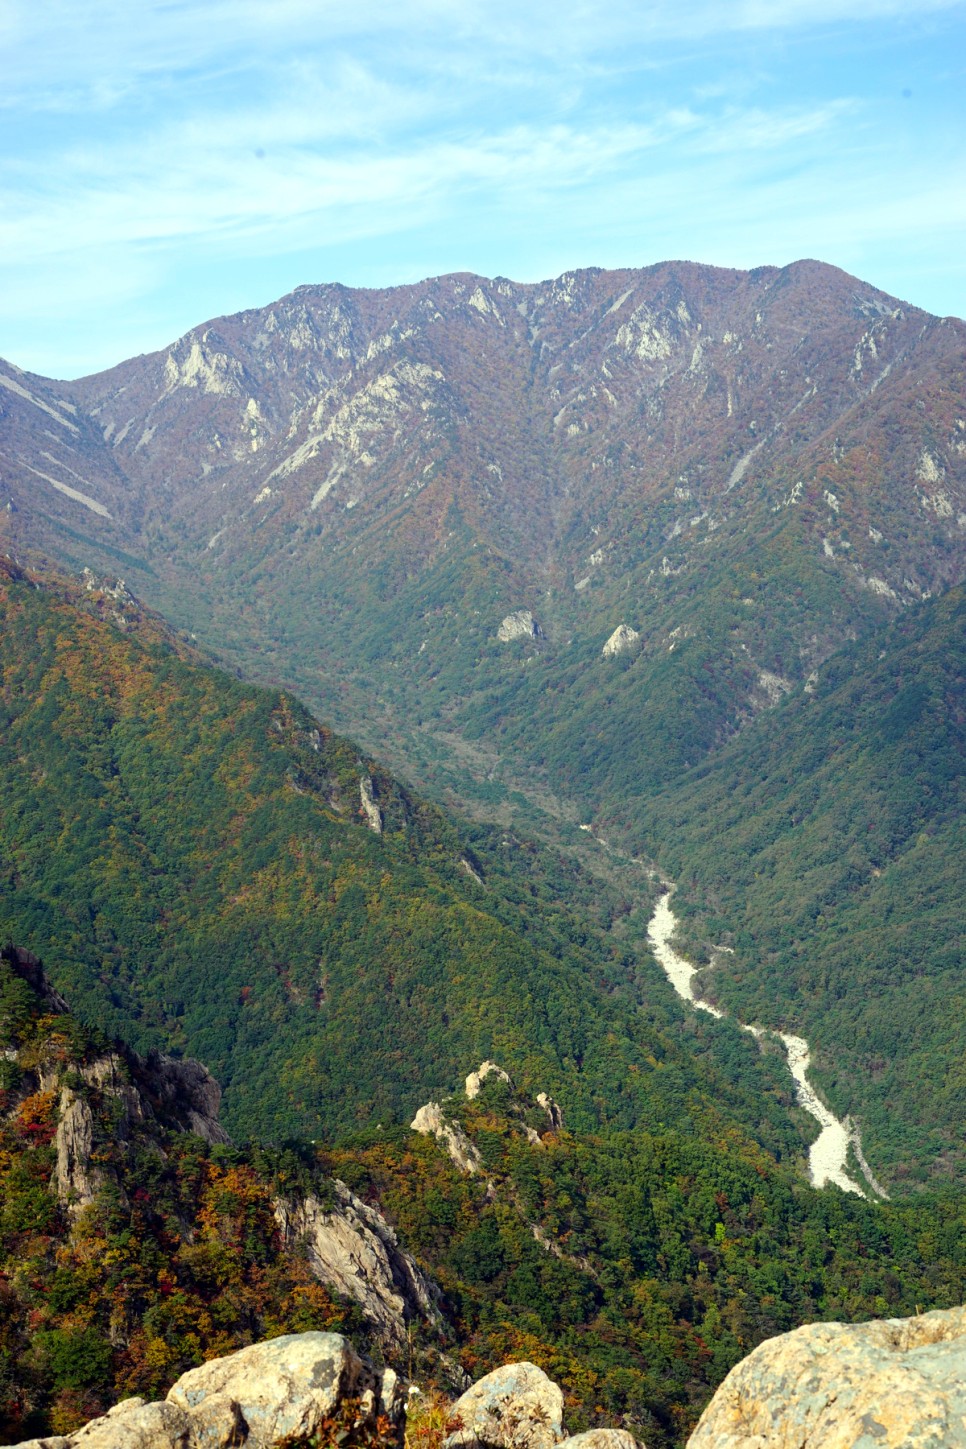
(412, 466)
(346, 494)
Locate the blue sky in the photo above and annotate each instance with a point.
(162, 163)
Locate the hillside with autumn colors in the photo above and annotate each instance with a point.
(346, 492)
(136, 1241)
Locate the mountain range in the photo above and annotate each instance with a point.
(370, 666)
(672, 554)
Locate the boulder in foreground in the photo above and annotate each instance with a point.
(288, 1390)
(514, 1407)
(895, 1384)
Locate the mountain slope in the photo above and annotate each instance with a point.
(136, 1242)
(827, 845)
(348, 490)
(346, 493)
(200, 860)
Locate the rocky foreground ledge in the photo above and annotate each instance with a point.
(302, 1389)
(897, 1384)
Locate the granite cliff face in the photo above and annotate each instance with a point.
(155, 1092)
(353, 1249)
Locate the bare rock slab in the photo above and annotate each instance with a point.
(353, 1249)
(622, 639)
(602, 1439)
(519, 625)
(895, 1384)
(133, 1424)
(287, 1386)
(289, 1389)
(514, 1407)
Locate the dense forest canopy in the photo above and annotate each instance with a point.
(192, 855)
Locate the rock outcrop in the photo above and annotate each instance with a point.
(601, 1439)
(352, 1249)
(519, 625)
(896, 1384)
(552, 1109)
(75, 1180)
(476, 1079)
(290, 1389)
(514, 1407)
(29, 967)
(313, 1388)
(622, 639)
(430, 1121)
(138, 1100)
(368, 806)
(177, 1094)
(181, 1094)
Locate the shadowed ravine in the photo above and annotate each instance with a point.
(828, 1154)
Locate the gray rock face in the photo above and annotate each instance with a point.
(602, 1439)
(134, 1424)
(476, 1079)
(74, 1179)
(27, 965)
(430, 1121)
(187, 1094)
(897, 1384)
(368, 806)
(183, 1093)
(519, 625)
(514, 1407)
(353, 1249)
(552, 1110)
(622, 639)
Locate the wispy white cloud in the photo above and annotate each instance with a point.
(180, 140)
(198, 180)
(97, 52)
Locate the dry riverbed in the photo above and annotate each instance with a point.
(828, 1155)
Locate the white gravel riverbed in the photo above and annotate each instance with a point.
(828, 1154)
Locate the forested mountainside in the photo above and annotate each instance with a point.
(827, 847)
(552, 550)
(134, 1240)
(208, 869)
(635, 1266)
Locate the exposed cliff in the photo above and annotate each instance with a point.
(152, 1094)
(353, 1249)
